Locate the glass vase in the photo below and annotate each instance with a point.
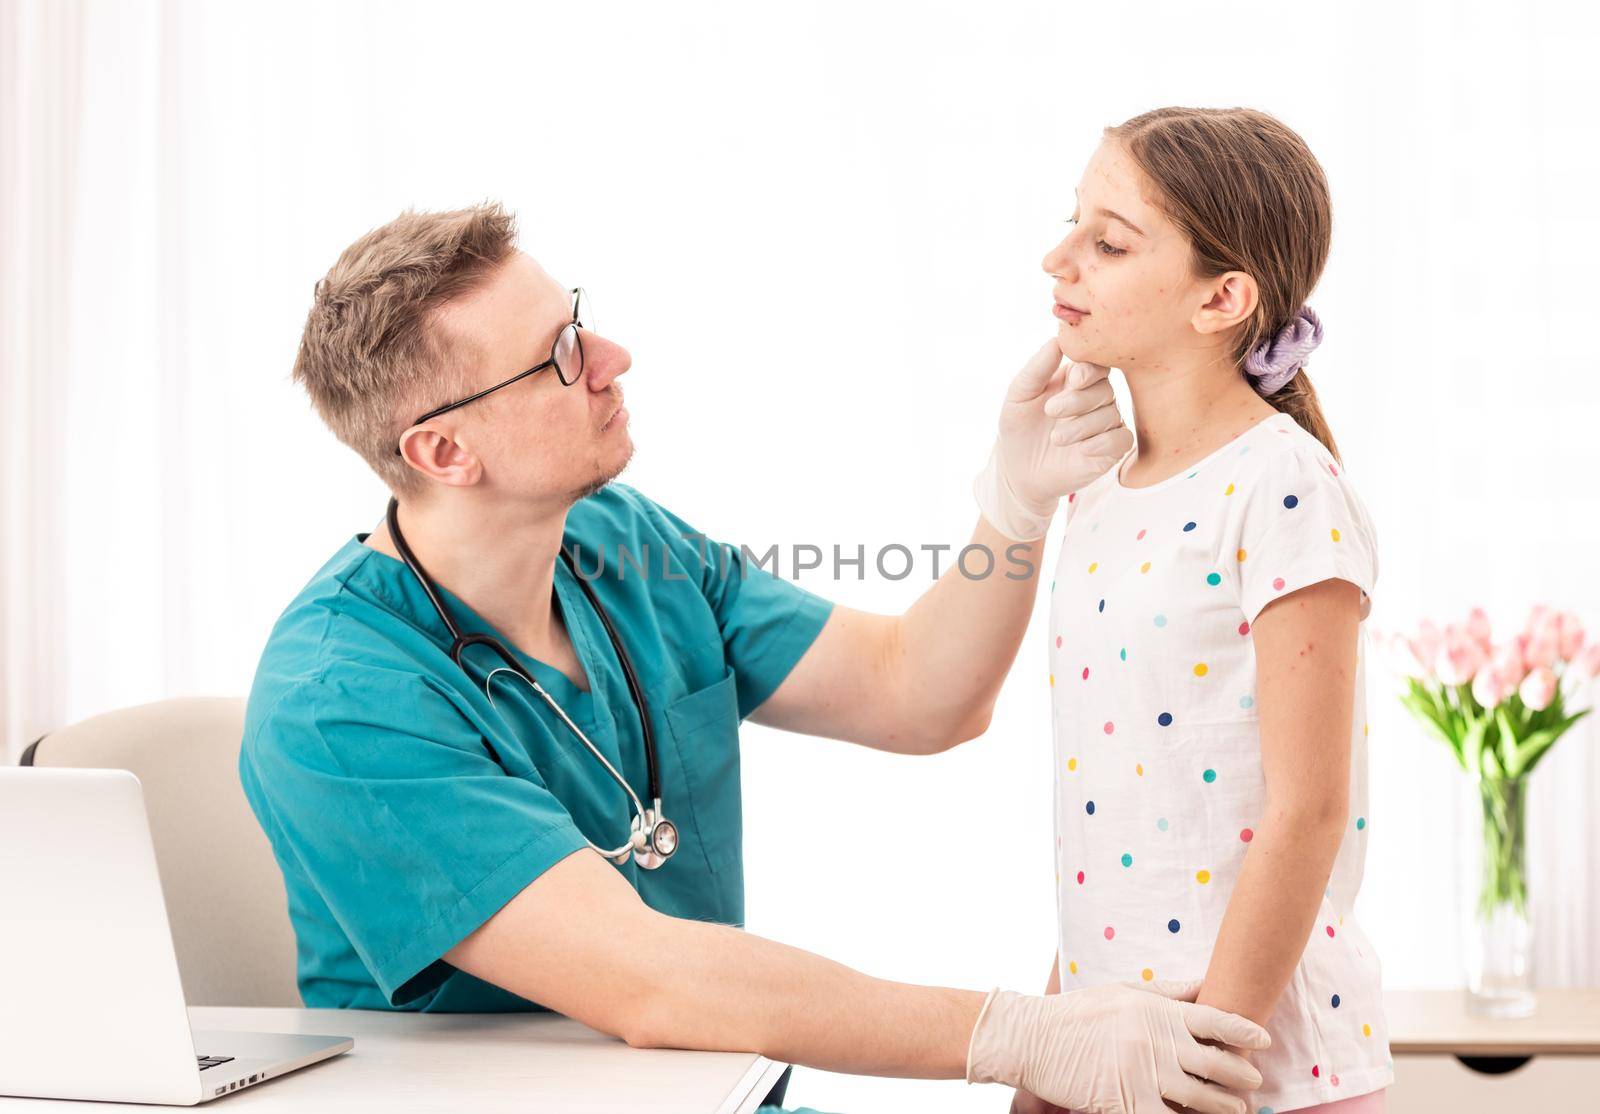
(1500, 950)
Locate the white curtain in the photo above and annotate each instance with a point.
(818, 228)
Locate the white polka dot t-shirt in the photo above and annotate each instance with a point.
(1157, 737)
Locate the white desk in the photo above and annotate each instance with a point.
(1558, 1049)
(484, 1063)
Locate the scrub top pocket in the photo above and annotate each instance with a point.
(704, 727)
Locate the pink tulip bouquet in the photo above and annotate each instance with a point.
(1499, 707)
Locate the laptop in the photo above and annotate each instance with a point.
(93, 1005)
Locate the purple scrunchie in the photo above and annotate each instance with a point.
(1274, 361)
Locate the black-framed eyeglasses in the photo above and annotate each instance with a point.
(566, 356)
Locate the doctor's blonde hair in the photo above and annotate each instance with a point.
(1250, 196)
(373, 354)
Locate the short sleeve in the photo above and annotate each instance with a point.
(767, 623)
(385, 797)
(1301, 522)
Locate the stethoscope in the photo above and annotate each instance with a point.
(654, 838)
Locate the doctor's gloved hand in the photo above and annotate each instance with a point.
(1116, 1049)
(1059, 429)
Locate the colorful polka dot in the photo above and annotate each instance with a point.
(1147, 974)
(1089, 808)
(1094, 566)
(1361, 823)
(1187, 526)
(1145, 567)
(1161, 620)
(1110, 932)
(1127, 859)
(1173, 925)
(1202, 876)
(1335, 533)
(1246, 701)
(1330, 932)
(1109, 727)
(1334, 1080)
(1086, 673)
(1052, 680)
(1335, 1001)
(1140, 536)
(1080, 877)
(1213, 578)
(1124, 654)
(1290, 502)
(1210, 776)
(1316, 1071)
(1247, 835)
(1072, 967)
(1201, 669)
(1277, 584)
(1165, 719)
(1102, 606)
(1241, 554)
(1229, 491)
(1244, 629)
(1161, 824)
(1058, 642)
(1072, 763)
(1366, 1030)
(1138, 768)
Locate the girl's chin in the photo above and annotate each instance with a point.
(1074, 345)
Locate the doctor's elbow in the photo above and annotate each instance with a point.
(950, 736)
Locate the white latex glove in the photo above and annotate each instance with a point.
(1116, 1049)
(1043, 452)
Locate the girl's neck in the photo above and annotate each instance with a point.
(1183, 414)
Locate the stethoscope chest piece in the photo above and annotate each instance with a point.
(651, 850)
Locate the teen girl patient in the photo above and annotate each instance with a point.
(1205, 638)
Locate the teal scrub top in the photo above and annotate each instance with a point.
(364, 754)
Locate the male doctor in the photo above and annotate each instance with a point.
(443, 832)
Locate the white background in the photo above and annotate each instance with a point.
(818, 229)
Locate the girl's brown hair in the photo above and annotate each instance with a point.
(1251, 197)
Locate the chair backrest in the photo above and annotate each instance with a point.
(224, 892)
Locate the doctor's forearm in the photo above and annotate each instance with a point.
(958, 640)
(716, 987)
(579, 941)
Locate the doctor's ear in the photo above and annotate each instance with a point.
(1234, 297)
(440, 458)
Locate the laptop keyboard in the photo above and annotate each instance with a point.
(211, 1061)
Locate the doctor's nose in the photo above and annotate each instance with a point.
(603, 361)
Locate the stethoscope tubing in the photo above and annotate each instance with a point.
(650, 821)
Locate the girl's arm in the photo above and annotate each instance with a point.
(1305, 648)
